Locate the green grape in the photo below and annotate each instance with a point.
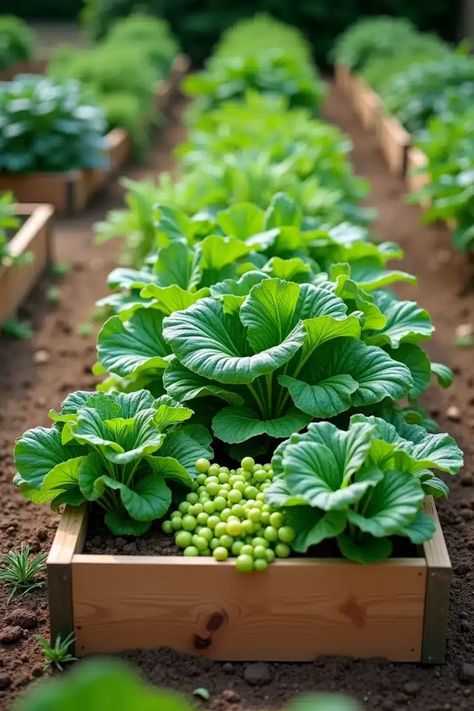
(220, 503)
(260, 564)
(254, 515)
(176, 523)
(250, 492)
(212, 487)
(213, 543)
(213, 470)
(247, 549)
(166, 527)
(265, 519)
(238, 510)
(286, 534)
(200, 542)
(270, 555)
(268, 468)
(183, 539)
(192, 497)
(209, 507)
(276, 519)
(176, 514)
(221, 553)
(220, 529)
(201, 518)
(201, 479)
(184, 507)
(248, 463)
(195, 509)
(212, 521)
(248, 526)
(206, 533)
(234, 496)
(191, 551)
(225, 513)
(189, 523)
(234, 527)
(226, 541)
(259, 541)
(259, 551)
(282, 550)
(240, 485)
(244, 563)
(223, 477)
(237, 547)
(202, 465)
(271, 534)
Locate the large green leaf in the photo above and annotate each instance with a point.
(185, 449)
(178, 264)
(370, 376)
(366, 550)
(236, 424)
(39, 450)
(185, 385)
(241, 220)
(282, 211)
(172, 298)
(390, 506)
(213, 344)
(368, 273)
(313, 526)
(418, 364)
(406, 323)
(134, 345)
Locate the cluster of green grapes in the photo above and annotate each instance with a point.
(227, 516)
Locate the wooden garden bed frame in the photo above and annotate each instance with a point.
(297, 610)
(33, 237)
(167, 90)
(69, 192)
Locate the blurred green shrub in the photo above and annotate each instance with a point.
(16, 41)
(47, 126)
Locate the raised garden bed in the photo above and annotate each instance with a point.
(297, 610)
(69, 192)
(367, 103)
(33, 237)
(343, 78)
(167, 90)
(394, 142)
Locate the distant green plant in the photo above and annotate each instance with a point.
(14, 328)
(57, 654)
(47, 126)
(20, 571)
(372, 38)
(16, 41)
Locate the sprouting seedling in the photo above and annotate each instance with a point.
(14, 328)
(20, 571)
(57, 654)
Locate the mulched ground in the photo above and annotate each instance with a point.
(28, 388)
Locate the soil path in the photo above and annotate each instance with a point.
(27, 390)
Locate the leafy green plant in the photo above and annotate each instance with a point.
(426, 89)
(14, 328)
(118, 450)
(20, 571)
(372, 38)
(362, 486)
(45, 126)
(274, 73)
(57, 654)
(8, 222)
(448, 146)
(16, 41)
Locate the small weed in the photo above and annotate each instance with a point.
(20, 570)
(60, 269)
(13, 328)
(58, 654)
(53, 294)
(85, 330)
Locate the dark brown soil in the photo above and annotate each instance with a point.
(27, 390)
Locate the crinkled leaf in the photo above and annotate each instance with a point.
(312, 526)
(237, 424)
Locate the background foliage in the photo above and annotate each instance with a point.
(198, 24)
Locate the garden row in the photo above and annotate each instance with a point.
(253, 323)
(417, 93)
(64, 134)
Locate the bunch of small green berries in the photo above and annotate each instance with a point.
(227, 516)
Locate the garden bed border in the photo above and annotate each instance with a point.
(34, 236)
(396, 609)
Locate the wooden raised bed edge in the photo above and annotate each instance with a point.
(295, 611)
(34, 236)
(30, 66)
(166, 90)
(69, 192)
(367, 103)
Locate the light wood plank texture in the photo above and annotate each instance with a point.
(416, 160)
(69, 192)
(367, 103)
(295, 611)
(33, 237)
(394, 142)
(343, 78)
(69, 539)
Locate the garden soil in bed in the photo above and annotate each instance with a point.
(446, 289)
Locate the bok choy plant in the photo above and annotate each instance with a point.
(125, 452)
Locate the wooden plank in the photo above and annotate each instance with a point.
(68, 540)
(367, 103)
(416, 160)
(33, 237)
(57, 189)
(394, 142)
(438, 583)
(343, 78)
(296, 610)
